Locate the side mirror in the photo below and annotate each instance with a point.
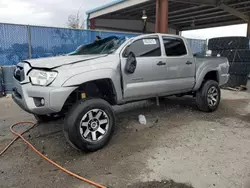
(209, 53)
(130, 63)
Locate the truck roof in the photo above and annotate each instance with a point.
(161, 34)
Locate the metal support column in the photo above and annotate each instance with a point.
(157, 15)
(161, 18)
(248, 29)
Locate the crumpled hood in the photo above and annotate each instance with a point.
(53, 62)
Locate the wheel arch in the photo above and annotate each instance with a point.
(209, 75)
(105, 73)
(212, 75)
(100, 88)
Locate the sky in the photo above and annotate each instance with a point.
(55, 13)
(44, 12)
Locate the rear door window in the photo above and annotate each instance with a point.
(174, 46)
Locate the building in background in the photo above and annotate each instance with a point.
(168, 16)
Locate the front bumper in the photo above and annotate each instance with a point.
(25, 96)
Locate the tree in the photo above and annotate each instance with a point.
(75, 22)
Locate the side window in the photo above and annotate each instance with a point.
(174, 47)
(147, 47)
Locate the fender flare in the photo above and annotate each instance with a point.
(84, 77)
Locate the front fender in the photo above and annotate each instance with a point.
(106, 73)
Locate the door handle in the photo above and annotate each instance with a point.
(160, 63)
(189, 62)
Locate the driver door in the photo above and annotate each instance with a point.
(148, 78)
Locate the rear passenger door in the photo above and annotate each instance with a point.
(180, 65)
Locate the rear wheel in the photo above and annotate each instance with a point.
(89, 124)
(208, 96)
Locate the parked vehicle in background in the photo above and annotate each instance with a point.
(115, 71)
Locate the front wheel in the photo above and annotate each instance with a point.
(208, 97)
(89, 124)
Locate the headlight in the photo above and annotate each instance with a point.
(42, 78)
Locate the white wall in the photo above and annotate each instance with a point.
(115, 7)
(126, 25)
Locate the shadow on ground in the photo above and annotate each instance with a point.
(161, 184)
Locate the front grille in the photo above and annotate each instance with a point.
(19, 74)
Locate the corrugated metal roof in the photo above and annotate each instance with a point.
(184, 15)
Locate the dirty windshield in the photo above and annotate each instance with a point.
(104, 46)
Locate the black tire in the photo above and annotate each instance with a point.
(241, 55)
(202, 96)
(237, 80)
(46, 118)
(225, 43)
(239, 68)
(75, 116)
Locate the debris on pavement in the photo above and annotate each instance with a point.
(142, 119)
(239, 88)
(160, 184)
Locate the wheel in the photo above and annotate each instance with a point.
(208, 96)
(47, 118)
(89, 125)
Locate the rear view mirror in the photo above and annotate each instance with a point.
(131, 63)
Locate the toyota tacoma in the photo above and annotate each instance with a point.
(85, 84)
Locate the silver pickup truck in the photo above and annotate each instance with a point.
(113, 71)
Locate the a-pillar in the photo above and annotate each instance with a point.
(248, 29)
(161, 17)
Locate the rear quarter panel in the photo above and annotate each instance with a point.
(208, 64)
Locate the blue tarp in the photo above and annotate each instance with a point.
(44, 41)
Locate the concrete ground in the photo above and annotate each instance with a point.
(179, 143)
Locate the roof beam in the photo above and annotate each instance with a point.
(197, 2)
(186, 9)
(239, 3)
(234, 12)
(201, 19)
(197, 17)
(219, 24)
(191, 10)
(192, 13)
